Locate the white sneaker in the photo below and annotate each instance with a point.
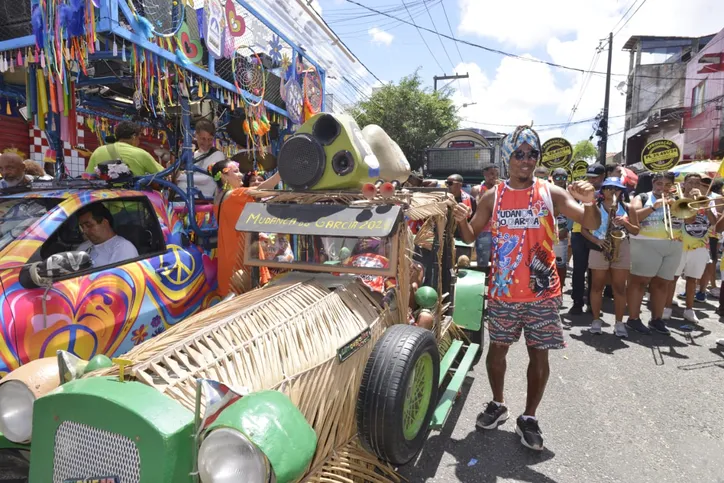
(720, 342)
(690, 316)
(667, 314)
(620, 330)
(715, 292)
(596, 326)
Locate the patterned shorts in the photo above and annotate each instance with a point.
(539, 319)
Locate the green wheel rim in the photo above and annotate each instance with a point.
(417, 397)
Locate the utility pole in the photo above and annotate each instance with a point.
(448, 77)
(604, 121)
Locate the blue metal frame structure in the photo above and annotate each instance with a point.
(109, 23)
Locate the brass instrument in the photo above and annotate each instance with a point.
(614, 236)
(668, 222)
(685, 208)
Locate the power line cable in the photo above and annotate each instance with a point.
(438, 36)
(418, 31)
(624, 15)
(509, 54)
(345, 45)
(457, 47)
(629, 19)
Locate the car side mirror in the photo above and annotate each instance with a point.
(45, 272)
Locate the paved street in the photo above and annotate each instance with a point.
(645, 409)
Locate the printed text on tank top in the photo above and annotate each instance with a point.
(524, 230)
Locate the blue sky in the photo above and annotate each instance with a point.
(508, 91)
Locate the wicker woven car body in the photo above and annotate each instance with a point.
(338, 382)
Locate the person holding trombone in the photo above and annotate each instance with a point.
(655, 253)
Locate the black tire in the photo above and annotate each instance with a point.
(383, 391)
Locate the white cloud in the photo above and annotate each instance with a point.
(380, 37)
(520, 91)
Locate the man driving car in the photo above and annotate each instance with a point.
(103, 245)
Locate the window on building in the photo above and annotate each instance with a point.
(697, 99)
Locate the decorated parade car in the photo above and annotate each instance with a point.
(335, 370)
(52, 299)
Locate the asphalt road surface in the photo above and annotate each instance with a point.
(644, 409)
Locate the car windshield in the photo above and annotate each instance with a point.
(17, 214)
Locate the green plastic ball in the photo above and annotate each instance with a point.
(344, 253)
(98, 362)
(426, 297)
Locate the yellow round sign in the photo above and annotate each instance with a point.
(660, 155)
(556, 153)
(579, 170)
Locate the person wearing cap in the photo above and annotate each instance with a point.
(484, 242)
(695, 256)
(560, 179)
(625, 221)
(126, 148)
(580, 247)
(524, 295)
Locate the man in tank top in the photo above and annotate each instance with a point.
(524, 290)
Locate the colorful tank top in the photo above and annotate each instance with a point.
(524, 231)
(600, 233)
(652, 227)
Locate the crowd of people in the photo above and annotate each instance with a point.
(623, 242)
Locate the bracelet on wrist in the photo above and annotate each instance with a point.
(589, 203)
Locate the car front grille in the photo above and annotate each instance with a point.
(82, 451)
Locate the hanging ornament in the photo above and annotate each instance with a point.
(123, 51)
(20, 59)
(115, 49)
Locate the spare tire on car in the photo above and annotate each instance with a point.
(398, 393)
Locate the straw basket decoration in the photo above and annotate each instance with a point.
(285, 337)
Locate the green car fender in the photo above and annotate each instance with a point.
(271, 421)
(469, 299)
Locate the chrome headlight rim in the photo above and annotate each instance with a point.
(228, 445)
(16, 401)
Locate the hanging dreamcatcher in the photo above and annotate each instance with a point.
(249, 74)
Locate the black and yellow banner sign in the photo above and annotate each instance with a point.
(579, 170)
(660, 155)
(325, 220)
(557, 153)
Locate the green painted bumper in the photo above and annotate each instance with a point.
(101, 427)
(7, 444)
(469, 299)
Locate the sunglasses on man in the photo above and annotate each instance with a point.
(450, 183)
(521, 155)
(560, 177)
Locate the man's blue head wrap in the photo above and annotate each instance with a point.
(514, 140)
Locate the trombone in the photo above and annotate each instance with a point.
(668, 222)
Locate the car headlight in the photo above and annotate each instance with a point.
(227, 456)
(16, 411)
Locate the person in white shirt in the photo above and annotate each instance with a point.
(103, 245)
(207, 155)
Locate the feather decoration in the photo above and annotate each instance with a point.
(36, 20)
(145, 25)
